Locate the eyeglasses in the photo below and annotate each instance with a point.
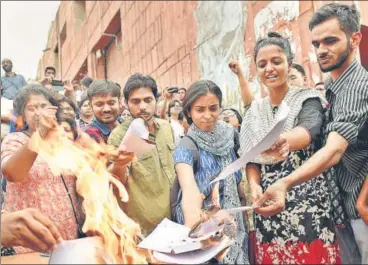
(228, 113)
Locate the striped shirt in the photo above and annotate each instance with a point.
(348, 116)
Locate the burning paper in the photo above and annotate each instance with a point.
(87, 161)
(194, 257)
(171, 243)
(136, 139)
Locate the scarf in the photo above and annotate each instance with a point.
(220, 142)
(101, 126)
(262, 116)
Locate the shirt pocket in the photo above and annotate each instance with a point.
(144, 165)
(148, 180)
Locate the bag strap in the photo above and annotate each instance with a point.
(189, 143)
(71, 202)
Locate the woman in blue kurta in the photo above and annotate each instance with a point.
(215, 142)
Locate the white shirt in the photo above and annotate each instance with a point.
(6, 109)
(179, 131)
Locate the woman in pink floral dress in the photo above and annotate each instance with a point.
(31, 184)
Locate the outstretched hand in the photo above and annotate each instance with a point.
(273, 200)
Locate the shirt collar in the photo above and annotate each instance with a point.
(155, 121)
(101, 126)
(334, 86)
(6, 75)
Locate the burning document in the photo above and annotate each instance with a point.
(194, 257)
(171, 237)
(136, 139)
(171, 243)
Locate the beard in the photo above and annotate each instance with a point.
(340, 61)
(7, 69)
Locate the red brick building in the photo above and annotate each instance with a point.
(178, 42)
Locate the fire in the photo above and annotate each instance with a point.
(87, 161)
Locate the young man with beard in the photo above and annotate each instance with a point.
(11, 82)
(336, 36)
(104, 96)
(149, 177)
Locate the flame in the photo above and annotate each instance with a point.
(87, 161)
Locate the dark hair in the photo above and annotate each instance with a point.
(103, 87)
(24, 94)
(70, 102)
(348, 17)
(86, 81)
(171, 105)
(319, 83)
(181, 116)
(182, 88)
(196, 90)
(274, 38)
(299, 68)
(60, 117)
(50, 68)
(237, 114)
(139, 80)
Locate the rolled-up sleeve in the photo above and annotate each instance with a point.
(351, 114)
(311, 117)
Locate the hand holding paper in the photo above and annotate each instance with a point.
(136, 139)
(266, 143)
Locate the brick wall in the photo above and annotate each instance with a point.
(159, 38)
(156, 42)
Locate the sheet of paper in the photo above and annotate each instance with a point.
(240, 209)
(262, 146)
(193, 257)
(134, 139)
(166, 234)
(170, 237)
(87, 250)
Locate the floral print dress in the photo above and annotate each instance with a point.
(304, 232)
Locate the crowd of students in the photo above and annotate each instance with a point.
(310, 189)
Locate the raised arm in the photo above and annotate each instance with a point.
(167, 98)
(16, 165)
(69, 92)
(246, 92)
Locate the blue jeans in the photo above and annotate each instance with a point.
(349, 249)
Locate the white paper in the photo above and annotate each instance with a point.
(262, 146)
(239, 209)
(170, 237)
(134, 139)
(87, 250)
(194, 257)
